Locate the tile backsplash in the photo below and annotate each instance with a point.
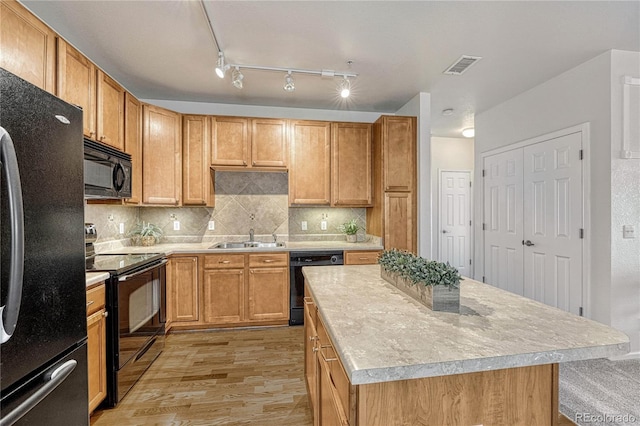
(243, 200)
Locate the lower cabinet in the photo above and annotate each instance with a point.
(228, 289)
(361, 257)
(96, 345)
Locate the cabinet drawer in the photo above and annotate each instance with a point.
(361, 257)
(95, 299)
(268, 259)
(223, 261)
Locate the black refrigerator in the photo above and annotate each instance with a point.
(43, 332)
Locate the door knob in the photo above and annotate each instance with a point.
(444, 231)
(527, 243)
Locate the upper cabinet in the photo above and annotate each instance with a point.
(133, 144)
(249, 143)
(351, 164)
(81, 83)
(196, 177)
(309, 171)
(27, 46)
(161, 156)
(399, 152)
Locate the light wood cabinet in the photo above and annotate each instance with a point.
(27, 46)
(361, 257)
(223, 301)
(96, 345)
(240, 142)
(310, 156)
(268, 295)
(197, 186)
(183, 288)
(133, 144)
(393, 214)
(351, 165)
(161, 156)
(77, 84)
(110, 111)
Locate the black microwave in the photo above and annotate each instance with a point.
(107, 171)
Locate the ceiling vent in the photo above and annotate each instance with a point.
(462, 64)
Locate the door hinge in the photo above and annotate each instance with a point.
(469, 184)
(581, 154)
(580, 311)
(469, 223)
(483, 278)
(581, 233)
(469, 261)
(484, 172)
(484, 226)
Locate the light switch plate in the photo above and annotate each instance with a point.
(122, 228)
(212, 225)
(628, 231)
(176, 225)
(323, 225)
(304, 225)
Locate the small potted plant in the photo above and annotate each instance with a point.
(145, 234)
(350, 228)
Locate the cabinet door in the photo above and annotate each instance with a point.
(133, 144)
(196, 179)
(27, 46)
(399, 158)
(223, 300)
(269, 147)
(309, 171)
(361, 257)
(230, 142)
(268, 294)
(310, 351)
(77, 84)
(330, 412)
(161, 156)
(110, 111)
(184, 288)
(399, 222)
(97, 358)
(351, 164)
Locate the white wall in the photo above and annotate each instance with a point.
(582, 94)
(420, 107)
(447, 154)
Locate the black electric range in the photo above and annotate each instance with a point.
(120, 264)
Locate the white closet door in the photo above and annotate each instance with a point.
(503, 202)
(552, 222)
(455, 216)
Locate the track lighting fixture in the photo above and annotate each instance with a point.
(221, 67)
(237, 78)
(345, 87)
(289, 85)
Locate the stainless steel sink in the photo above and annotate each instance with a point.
(246, 244)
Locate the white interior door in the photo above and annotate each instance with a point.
(503, 221)
(553, 222)
(455, 220)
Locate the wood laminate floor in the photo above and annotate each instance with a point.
(229, 377)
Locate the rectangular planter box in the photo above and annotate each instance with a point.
(434, 297)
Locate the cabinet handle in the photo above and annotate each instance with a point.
(244, 163)
(103, 137)
(314, 349)
(312, 338)
(106, 314)
(224, 261)
(363, 258)
(92, 134)
(90, 302)
(268, 261)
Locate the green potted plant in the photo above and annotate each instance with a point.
(350, 228)
(434, 284)
(145, 234)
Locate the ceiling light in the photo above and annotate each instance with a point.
(220, 65)
(237, 78)
(289, 85)
(468, 132)
(345, 87)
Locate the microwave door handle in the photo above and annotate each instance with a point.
(9, 312)
(129, 276)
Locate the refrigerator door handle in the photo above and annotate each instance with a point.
(52, 381)
(9, 312)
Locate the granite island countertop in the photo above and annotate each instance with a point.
(381, 334)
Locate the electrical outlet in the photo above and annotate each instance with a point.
(304, 225)
(628, 231)
(212, 225)
(176, 225)
(122, 228)
(323, 225)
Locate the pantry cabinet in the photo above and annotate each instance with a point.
(351, 165)
(310, 168)
(133, 145)
(197, 183)
(96, 345)
(161, 156)
(27, 46)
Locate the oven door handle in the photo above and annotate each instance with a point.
(155, 265)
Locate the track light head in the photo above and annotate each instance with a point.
(236, 78)
(289, 85)
(221, 68)
(345, 87)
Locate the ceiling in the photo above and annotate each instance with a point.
(164, 49)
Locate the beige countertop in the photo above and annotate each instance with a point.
(95, 277)
(383, 335)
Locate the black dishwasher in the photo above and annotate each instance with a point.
(297, 261)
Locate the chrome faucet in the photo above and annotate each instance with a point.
(251, 235)
(275, 237)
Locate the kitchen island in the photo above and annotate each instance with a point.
(377, 357)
